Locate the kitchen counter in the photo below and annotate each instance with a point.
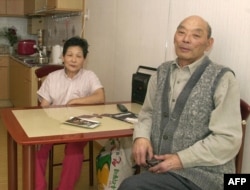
(23, 81)
(4, 77)
(28, 61)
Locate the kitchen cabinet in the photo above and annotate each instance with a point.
(31, 6)
(12, 7)
(52, 6)
(23, 84)
(2, 7)
(4, 77)
(35, 24)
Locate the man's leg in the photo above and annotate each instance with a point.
(72, 165)
(164, 181)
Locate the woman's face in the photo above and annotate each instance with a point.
(73, 59)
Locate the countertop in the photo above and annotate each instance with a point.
(28, 61)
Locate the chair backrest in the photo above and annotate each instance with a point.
(245, 111)
(44, 71)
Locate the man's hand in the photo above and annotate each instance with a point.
(142, 150)
(168, 162)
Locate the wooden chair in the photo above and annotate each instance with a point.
(245, 111)
(41, 73)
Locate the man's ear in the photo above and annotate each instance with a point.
(210, 44)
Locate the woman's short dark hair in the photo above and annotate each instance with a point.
(76, 41)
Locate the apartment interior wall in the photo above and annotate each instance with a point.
(122, 36)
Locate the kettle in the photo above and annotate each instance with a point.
(41, 58)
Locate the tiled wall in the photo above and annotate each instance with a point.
(19, 23)
(61, 28)
(56, 30)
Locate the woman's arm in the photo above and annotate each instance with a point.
(97, 97)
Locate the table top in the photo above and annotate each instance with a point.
(37, 125)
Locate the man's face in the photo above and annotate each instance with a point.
(191, 40)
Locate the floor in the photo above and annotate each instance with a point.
(83, 183)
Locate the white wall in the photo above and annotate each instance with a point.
(122, 36)
(126, 33)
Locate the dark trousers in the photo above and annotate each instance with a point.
(163, 181)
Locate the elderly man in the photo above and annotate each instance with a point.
(190, 121)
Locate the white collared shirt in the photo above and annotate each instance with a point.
(58, 88)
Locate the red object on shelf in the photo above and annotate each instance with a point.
(26, 47)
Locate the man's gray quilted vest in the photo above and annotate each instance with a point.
(188, 122)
